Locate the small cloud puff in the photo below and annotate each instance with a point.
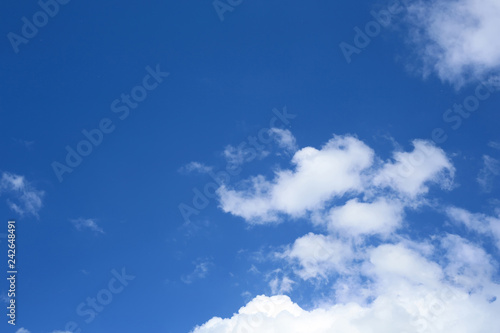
(81, 224)
(195, 167)
(24, 199)
(200, 271)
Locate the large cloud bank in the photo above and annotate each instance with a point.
(443, 283)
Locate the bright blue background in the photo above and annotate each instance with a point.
(225, 78)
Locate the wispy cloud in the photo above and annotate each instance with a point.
(487, 174)
(237, 156)
(280, 286)
(494, 145)
(481, 223)
(22, 330)
(81, 224)
(195, 167)
(200, 271)
(24, 199)
(25, 143)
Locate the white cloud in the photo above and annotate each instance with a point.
(392, 264)
(457, 39)
(494, 145)
(22, 330)
(386, 283)
(318, 256)
(196, 167)
(284, 138)
(24, 198)
(318, 176)
(81, 223)
(244, 153)
(409, 295)
(281, 286)
(200, 271)
(412, 311)
(342, 167)
(490, 169)
(410, 173)
(358, 218)
(481, 223)
(468, 265)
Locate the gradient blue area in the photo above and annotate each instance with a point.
(225, 79)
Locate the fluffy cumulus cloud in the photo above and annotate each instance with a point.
(393, 264)
(410, 293)
(343, 166)
(23, 198)
(377, 279)
(318, 255)
(410, 172)
(362, 218)
(469, 266)
(458, 39)
(318, 176)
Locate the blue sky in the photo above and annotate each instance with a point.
(242, 166)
